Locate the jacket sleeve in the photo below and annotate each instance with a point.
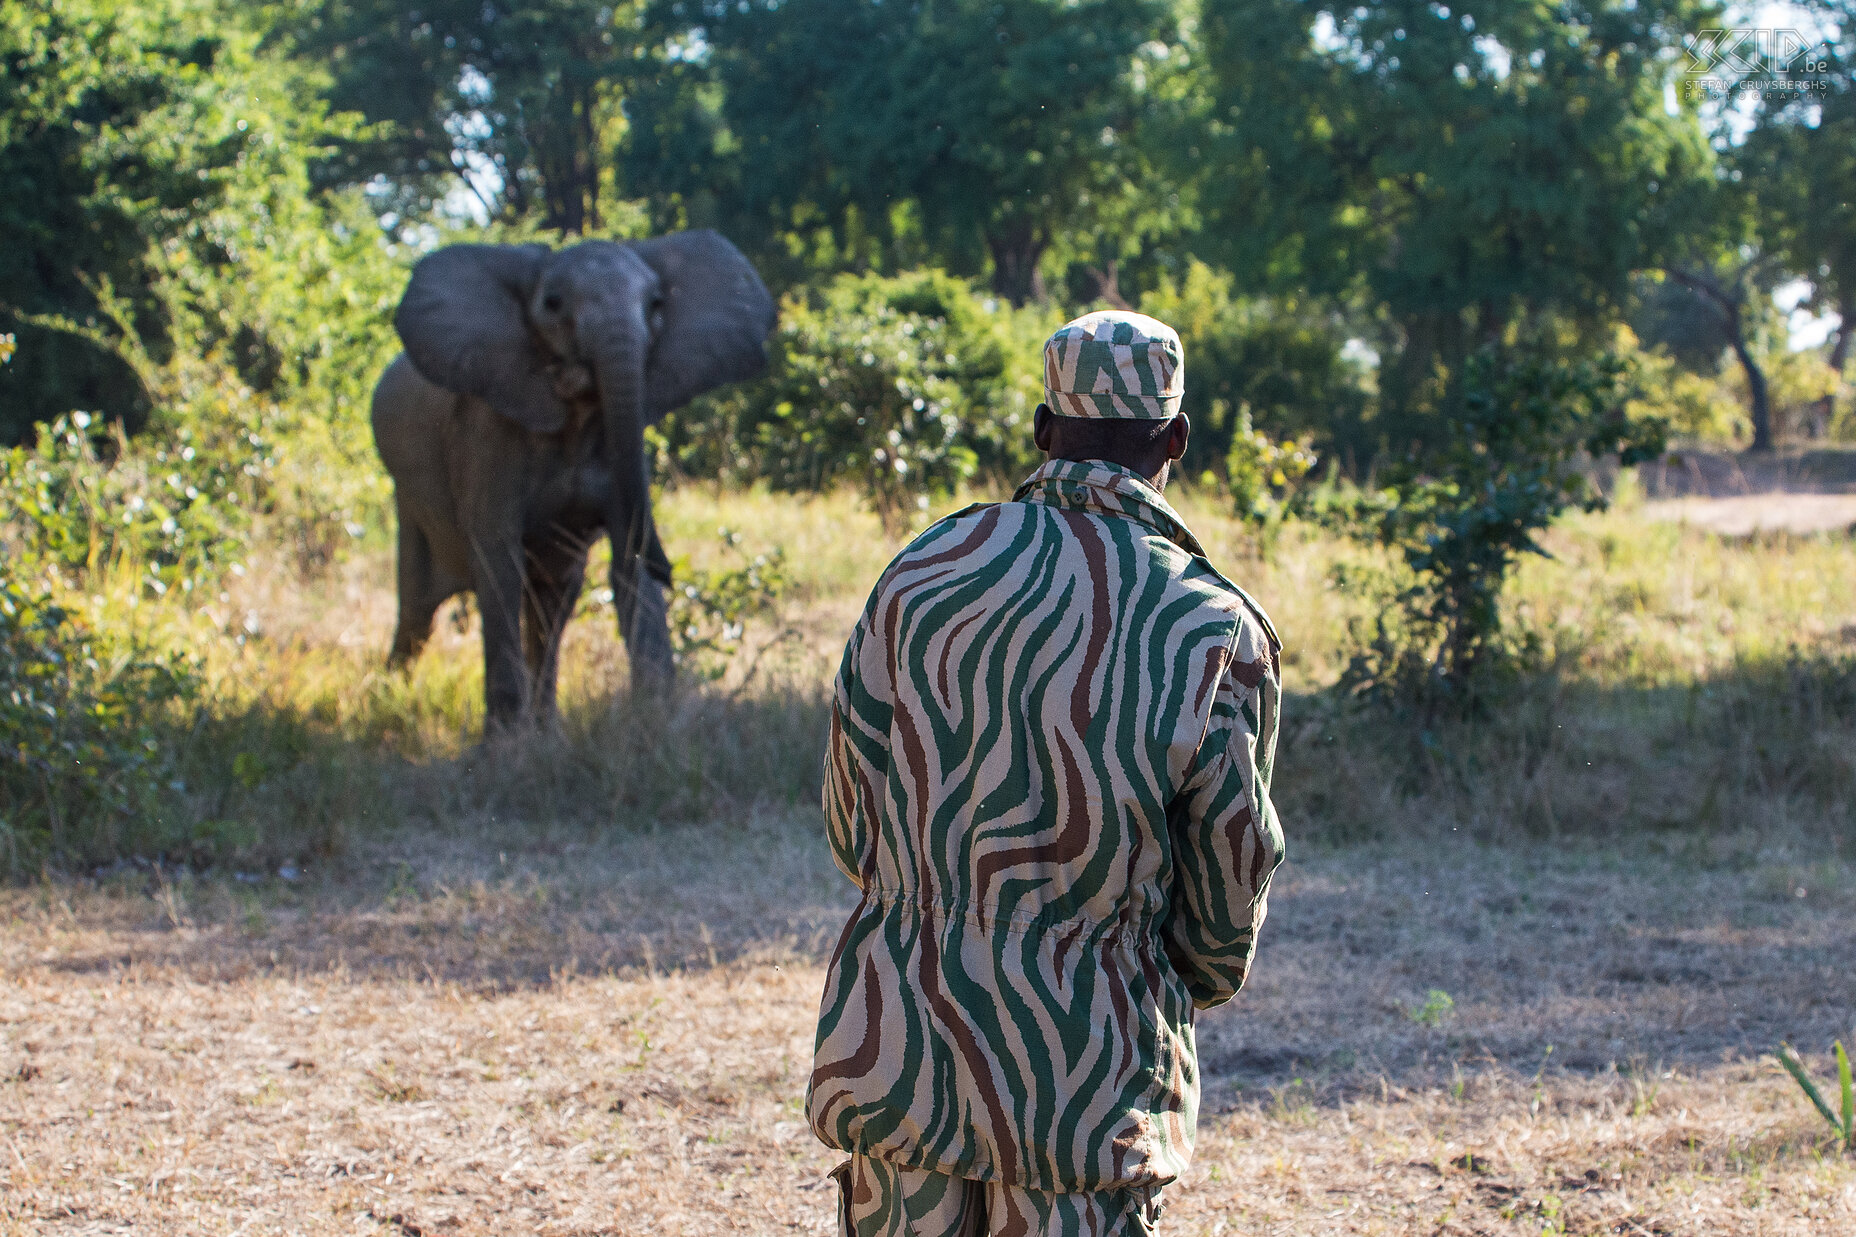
(1226, 839)
(857, 751)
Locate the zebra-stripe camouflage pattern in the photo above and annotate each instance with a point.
(876, 1199)
(1048, 772)
(1114, 364)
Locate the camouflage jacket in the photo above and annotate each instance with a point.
(1048, 772)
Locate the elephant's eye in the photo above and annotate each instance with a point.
(551, 303)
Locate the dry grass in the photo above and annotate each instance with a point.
(568, 984)
(610, 1035)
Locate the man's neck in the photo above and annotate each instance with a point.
(1156, 479)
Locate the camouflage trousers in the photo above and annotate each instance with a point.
(878, 1199)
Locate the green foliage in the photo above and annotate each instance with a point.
(710, 610)
(1438, 1006)
(841, 109)
(172, 238)
(157, 209)
(1264, 363)
(1263, 474)
(91, 703)
(170, 518)
(83, 769)
(165, 239)
(1801, 163)
(1456, 169)
(1458, 516)
(1696, 406)
(904, 387)
(1845, 1124)
(520, 103)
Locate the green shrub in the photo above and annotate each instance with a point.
(904, 386)
(1275, 365)
(1265, 475)
(172, 514)
(710, 610)
(1459, 515)
(83, 768)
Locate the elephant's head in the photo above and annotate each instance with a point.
(658, 322)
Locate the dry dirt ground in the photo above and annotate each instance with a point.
(610, 1035)
(1793, 490)
(1724, 474)
(1747, 514)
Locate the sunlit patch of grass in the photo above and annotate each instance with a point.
(1684, 681)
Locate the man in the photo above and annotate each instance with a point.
(1048, 772)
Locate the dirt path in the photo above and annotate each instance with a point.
(466, 1039)
(1745, 515)
(1727, 474)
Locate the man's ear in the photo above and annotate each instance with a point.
(1042, 423)
(1177, 435)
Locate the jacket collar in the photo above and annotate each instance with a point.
(1106, 489)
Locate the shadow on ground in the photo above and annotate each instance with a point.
(1403, 961)
(1568, 957)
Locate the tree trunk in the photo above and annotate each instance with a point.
(1727, 303)
(1755, 385)
(1108, 285)
(1015, 251)
(565, 153)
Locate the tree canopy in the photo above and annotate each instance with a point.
(1346, 201)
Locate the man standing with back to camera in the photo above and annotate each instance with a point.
(1048, 772)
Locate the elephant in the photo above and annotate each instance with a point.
(513, 428)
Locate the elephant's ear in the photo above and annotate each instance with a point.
(717, 315)
(464, 321)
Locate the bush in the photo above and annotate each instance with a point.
(905, 386)
(1458, 516)
(1263, 475)
(170, 515)
(710, 610)
(1278, 366)
(83, 772)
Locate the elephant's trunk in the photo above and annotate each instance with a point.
(640, 572)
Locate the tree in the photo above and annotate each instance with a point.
(1460, 516)
(996, 128)
(518, 102)
(1734, 287)
(678, 154)
(134, 140)
(1800, 162)
(1467, 169)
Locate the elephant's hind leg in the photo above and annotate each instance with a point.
(422, 591)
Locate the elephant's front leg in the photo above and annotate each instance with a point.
(557, 570)
(640, 575)
(500, 585)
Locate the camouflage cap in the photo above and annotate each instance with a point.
(1114, 364)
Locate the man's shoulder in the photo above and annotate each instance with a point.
(961, 537)
(1230, 596)
(955, 534)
